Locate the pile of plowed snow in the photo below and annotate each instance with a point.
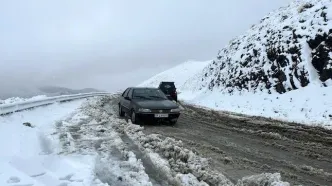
(280, 68)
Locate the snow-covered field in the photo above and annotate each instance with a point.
(85, 143)
(310, 105)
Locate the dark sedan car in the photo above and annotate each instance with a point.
(142, 103)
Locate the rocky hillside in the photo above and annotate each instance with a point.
(288, 49)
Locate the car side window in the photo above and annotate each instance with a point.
(125, 92)
(130, 93)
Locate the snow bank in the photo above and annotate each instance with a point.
(181, 162)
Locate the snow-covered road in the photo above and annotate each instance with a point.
(84, 142)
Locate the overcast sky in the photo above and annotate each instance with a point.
(108, 44)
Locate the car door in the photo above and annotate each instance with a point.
(123, 100)
(126, 101)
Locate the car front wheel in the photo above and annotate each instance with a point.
(133, 117)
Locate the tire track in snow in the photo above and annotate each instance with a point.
(157, 178)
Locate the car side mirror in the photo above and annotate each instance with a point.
(127, 98)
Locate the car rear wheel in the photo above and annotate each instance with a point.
(121, 113)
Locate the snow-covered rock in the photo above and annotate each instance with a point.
(288, 49)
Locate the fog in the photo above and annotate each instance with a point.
(108, 44)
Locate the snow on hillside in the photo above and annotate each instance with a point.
(179, 74)
(280, 68)
(288, 49)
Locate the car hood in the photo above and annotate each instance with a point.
(156, 104)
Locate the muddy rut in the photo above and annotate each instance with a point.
(241, 146)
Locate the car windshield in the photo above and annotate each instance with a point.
(148, 94)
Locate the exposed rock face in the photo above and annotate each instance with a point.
(321, 55)
(287, 50)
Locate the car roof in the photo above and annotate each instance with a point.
(167, 82)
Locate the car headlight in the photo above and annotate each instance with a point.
(144, 110)
(175, 110)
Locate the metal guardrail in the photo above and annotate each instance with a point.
(14, 107)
